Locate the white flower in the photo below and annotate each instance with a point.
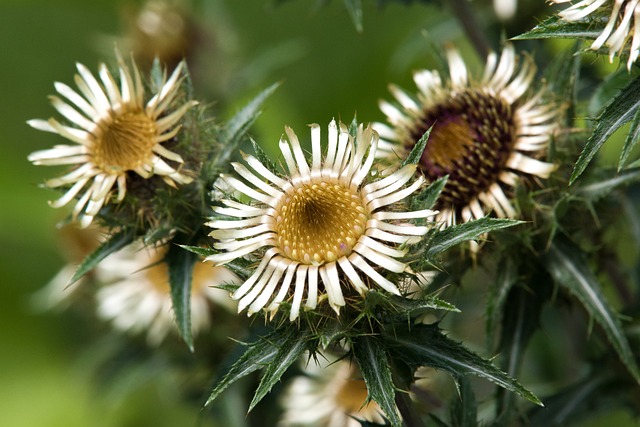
(623, 25)
(115, 132)
(486, 133)
(322, 229)
(328, 395)
(135, 295)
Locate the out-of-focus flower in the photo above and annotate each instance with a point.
(328, 394)
(135, 295)
(115, 133)
(486, 134)
(321, 222)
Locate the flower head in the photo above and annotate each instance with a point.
(485, 134)
(115, 133)
(322, 221)
(135, 295)
(329, 394)
(623, 25)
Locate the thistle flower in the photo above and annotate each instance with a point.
(115, 133)
(485, 133)
(623, 24)
(135, 295)
(322, 220)
(328, 394)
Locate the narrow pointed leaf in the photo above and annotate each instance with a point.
(239, 124)
(257, 356)
(414, 306)
(289, 351)
(506, 278)
(198, 250)
(428, 197)
(618, 112)
(114, 244)
(180, 263)
(522, 312)
(425, 345)
(555, 27)
(604, 187)
(374, 366)
(631, 140)
(572, 272)
(353, 126)
(452, 236)
(416, 152)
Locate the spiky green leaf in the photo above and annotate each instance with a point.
(257, 356)
(630, 141)
(425, 345)
(452, 236)
(237, 127)
(199, 250)
(555, 28)
(618, 112)
(374, 366)
(114, 244)
(427, 198)
(415, 306)
(180, 264)
(416, 152)
(289, 350)
(571, 271)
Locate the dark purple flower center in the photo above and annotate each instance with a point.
(472, 138)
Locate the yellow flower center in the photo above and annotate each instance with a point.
(321, 222)
(126, 142)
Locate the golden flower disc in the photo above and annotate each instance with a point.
(126, 142)
(318, 223)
